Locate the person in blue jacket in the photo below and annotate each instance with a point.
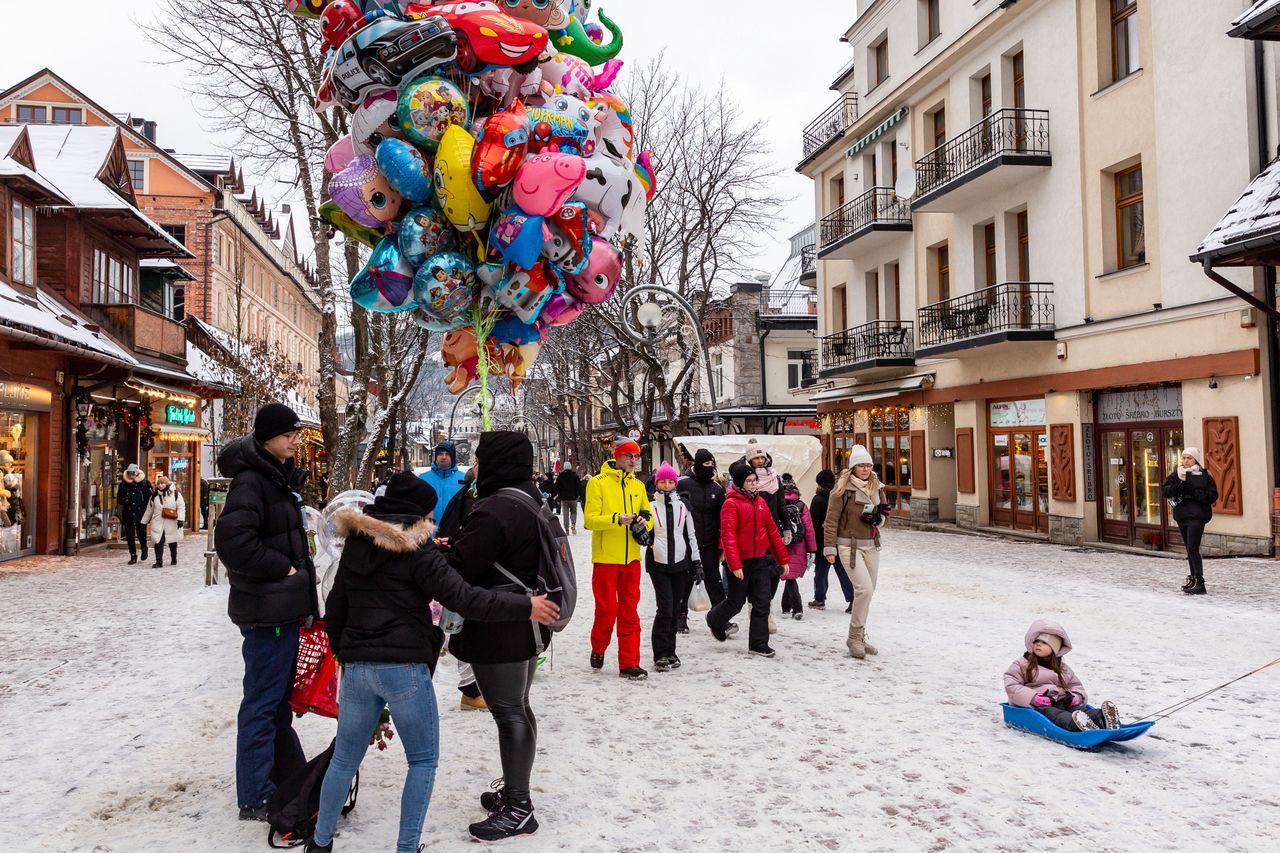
(443, 476)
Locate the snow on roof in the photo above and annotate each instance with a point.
(1255, 214)
(308, 415)
(166, 264)
(46, 316)
(9, 133)
(1257, 12)
(10, 167)
(215, 164)
(71, 156)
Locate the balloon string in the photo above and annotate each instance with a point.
(1178, 706)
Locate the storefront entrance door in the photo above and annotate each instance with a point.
(1019, 480)
(1135, 461)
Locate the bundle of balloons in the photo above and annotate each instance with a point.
(489, 168)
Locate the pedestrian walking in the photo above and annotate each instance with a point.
(1039, 679)
(261, 539)
(132, 497)
(800, 550)
(503, 528)
(204, 504)
(770, 491)
(616, 511)
(443, 476)
(704, 496)
(755, 553)
(852, 534)
(450, 523)
(569, 490)
(378, 619)
(166, 513)
(1192, 493)
(818, 514)
(673, 564)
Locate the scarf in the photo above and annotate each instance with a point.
(1183, 472)
(869, 487)
(766, 480)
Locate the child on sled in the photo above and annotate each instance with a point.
(1040, 680)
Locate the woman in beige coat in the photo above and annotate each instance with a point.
(166, 513)
(855, 511)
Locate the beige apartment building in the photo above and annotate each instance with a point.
(1007, 195)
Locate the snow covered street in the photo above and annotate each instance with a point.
(119, 687)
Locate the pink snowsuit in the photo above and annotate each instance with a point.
(799, 550)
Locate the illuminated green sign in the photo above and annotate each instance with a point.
(179, 415)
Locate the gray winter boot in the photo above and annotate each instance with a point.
(856, 644)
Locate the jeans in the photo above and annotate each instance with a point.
(1192, 532)
(139, 532)
(568, 513)
(820, 581)
(367, 688)
(670, 589)
(617, 592)
(506, 692)
(757, 585)
(267, 747)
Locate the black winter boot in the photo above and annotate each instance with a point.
(159, 563)
(133, 555)
(173, 553)
(511, 819)
(1196, 588)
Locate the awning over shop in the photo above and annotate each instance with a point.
(877, 132)
(858, 395)
(156, 391)
(1262, 21)
(180, 434)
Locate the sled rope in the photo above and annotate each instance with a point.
(1178, 706)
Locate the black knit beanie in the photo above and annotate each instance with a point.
(274, 419)
(739, 472)
(826, 478)
(406, 494)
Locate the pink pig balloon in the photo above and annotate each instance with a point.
(596, 283)
(545, 182)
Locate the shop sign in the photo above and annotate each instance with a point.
(1017, 413)
(1090, 463)
(179, 415)
(942, 453)
(27, 398)
(1142, 404)
(805, 424)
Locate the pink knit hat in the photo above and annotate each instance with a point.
(666, 472)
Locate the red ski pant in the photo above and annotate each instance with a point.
(617, 591)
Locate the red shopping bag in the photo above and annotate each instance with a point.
(315, 678)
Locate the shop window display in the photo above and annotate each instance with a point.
(17, 482)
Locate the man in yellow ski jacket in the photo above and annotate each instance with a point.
(615, 502)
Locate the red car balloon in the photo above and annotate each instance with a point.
(500, 148)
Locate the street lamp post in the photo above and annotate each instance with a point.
(467, 394)
(649, 316)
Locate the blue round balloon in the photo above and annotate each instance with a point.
(423, 232)
(445, 288)
(406, 169)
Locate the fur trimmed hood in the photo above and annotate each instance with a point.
(387, 535)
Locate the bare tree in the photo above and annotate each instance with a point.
(399, 348)
(254, 69)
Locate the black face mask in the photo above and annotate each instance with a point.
(703, 474)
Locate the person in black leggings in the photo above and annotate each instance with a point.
(1192, 492)
(504, 655)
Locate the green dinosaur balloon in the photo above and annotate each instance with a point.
(574, 40)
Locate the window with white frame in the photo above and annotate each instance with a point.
(24, 243)
(137, 173)
(112, 279)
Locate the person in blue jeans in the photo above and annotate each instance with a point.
(261, 540)
(378, 619)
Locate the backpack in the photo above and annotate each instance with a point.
(793, 519)
(295, 805)
(556, 574)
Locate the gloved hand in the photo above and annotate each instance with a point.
(886, 509)
(181, 523)
(696, 571)
(786, 537)
(1042, 699)
(1075, 699)
(868, 517)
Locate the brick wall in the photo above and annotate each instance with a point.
(193, 214)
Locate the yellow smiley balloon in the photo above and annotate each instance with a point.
(461, 202)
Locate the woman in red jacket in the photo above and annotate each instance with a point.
(755, 553)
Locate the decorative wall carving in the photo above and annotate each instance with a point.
(919, 461)
(1062, 462)
(1222, 459)
(964, 461)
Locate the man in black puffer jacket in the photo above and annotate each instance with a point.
(261, 540)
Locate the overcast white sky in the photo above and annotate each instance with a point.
(776, 59)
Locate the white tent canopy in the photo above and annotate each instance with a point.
(798, 455)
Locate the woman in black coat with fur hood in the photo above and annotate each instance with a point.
(378, 617)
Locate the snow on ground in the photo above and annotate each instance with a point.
(119, 687)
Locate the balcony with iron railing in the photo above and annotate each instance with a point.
(875, 347)
(809, 264)
(793, 301)
(1010, 311)
(829, 126)
(969, 166)
(867, 221)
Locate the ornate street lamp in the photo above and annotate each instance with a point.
(648, 314)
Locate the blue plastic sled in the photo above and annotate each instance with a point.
(1029, 720)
